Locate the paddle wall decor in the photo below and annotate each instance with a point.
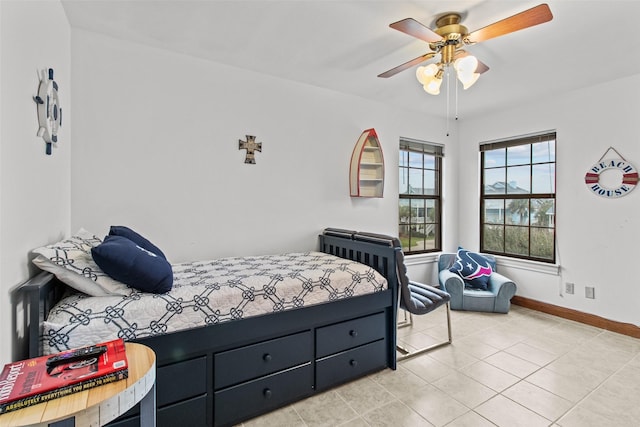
(49, 111)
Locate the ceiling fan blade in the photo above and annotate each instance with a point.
(414, 28)
(481, 68)
(408, 64)
(534, 16)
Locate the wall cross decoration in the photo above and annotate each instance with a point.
(251, 146)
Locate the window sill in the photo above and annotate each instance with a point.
(418, 259)
(502, 261)
(524, 264)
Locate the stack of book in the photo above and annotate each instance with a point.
(40, 379)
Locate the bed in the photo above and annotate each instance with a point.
(231, 365)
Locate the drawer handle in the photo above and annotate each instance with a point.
(267, 393)
(353, 333)
(353, 362)
(267, 357)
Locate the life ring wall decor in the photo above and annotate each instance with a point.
(629, 177)
(49, 111)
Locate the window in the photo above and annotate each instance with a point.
(518, 197)
(420, 207)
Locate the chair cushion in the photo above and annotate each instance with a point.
(474, 268)
(424, 298)
(477, 300)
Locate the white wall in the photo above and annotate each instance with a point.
(34, 187)
(597, 237)
(157, 149)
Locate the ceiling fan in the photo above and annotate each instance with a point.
(448, 40)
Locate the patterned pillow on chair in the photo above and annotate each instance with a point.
(473, 268)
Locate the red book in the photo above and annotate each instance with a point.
(40, 379)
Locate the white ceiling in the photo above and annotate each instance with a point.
(344, 45)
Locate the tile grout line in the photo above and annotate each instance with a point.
(597, 387)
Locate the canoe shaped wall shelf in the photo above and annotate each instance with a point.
(366, 174)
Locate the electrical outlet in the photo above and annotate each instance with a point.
(568, 288)
(590, 292)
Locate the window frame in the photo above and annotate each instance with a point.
(530, 196)
(424, 148)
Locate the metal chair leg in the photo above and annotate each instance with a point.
(408, 353)
(408, 320)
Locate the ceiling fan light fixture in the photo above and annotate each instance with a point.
(430, 77)
(470, 81)
(465, 70)
(466, 65)
(426, 74)
(421, 75)
(433, 86)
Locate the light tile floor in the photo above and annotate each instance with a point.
(524, 368)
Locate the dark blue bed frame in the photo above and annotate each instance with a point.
(188, 360)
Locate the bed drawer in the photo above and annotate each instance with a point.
(350, 364)
(175, 383)
(253, 361)
(349, 334)
(181, 380)
(261, 395)
(192, 413)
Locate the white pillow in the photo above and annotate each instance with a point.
(71, 262)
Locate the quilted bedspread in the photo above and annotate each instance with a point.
(209, 292)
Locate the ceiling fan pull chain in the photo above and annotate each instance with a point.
(456, 83)
(448, 98)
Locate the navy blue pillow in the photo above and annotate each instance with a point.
(120, 230)
(473, 268)
(125, 261)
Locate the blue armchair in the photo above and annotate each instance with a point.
(496, 299)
